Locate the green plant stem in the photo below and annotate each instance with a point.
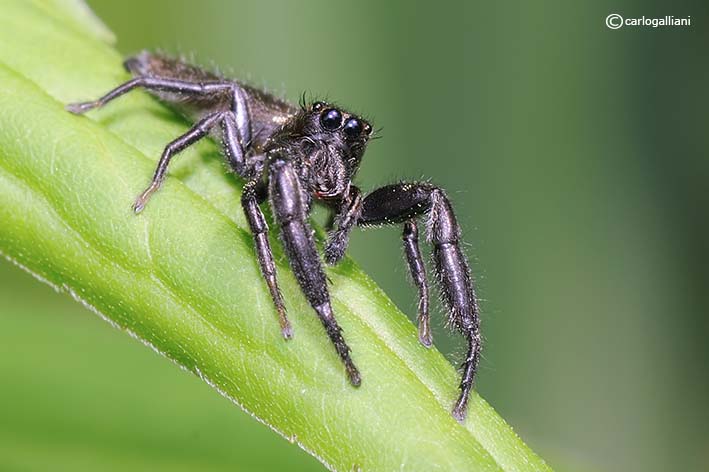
(182, 276)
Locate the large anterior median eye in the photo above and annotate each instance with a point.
(331, 119)
(352, 128)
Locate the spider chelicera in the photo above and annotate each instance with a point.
(293, 156)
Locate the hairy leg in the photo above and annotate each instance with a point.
(289, 207)
(233, 118)
(418, 274)
(250, 200)
(231, 143)
(400, 203)
(156, 84)
(197, 132)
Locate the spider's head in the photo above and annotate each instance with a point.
(336, 123)
(344, 133)
(330, 142)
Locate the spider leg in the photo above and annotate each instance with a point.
(250, 200)
(156, 84)
(418, 274)
(338, 240)
(289, 204)
(345, 219)
(194, 134)
(401, 203)
(233, 117)
(233, 147)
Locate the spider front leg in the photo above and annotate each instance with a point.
(338, 240)
(418, 274)
(402, 203)
(289, 204)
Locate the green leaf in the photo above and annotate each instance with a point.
(182, 276)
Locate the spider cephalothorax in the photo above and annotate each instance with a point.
(329, 143)
(293, 156)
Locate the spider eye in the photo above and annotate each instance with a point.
(317, 106)
(331, 119)
(352, 128)
(368, 129)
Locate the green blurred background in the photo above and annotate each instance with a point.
(577, 159)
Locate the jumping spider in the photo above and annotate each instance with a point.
(292, 156)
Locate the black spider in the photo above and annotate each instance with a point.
(293, 156)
